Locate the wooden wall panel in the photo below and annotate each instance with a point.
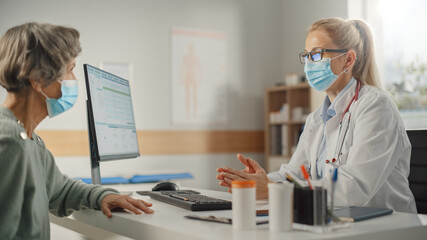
(75, 143)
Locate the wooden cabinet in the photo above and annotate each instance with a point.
(286, 108)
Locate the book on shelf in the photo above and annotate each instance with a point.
(275, 140)
(279, 144)
(285, 143)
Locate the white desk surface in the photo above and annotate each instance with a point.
(168, 222)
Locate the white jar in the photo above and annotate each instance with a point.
(243, 204)
(280, 210)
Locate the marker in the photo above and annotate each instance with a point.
(306, 176)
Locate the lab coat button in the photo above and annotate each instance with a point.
(23, 135)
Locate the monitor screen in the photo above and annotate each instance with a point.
(111, 122)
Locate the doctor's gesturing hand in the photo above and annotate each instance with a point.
(253, 171)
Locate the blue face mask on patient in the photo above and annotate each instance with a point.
(319, 74)
(70, 92)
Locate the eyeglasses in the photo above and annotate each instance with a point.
(317, 54)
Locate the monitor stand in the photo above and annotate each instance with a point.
(95, 170)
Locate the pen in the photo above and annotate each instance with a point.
(334, 180)
(306, 176)
(290, 179)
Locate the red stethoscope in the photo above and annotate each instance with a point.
(338, 147)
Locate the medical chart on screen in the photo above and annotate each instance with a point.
(113, 113)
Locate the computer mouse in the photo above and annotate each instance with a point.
(166, 186)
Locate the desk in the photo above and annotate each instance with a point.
(168, 222)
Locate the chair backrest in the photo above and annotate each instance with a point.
(418, 173)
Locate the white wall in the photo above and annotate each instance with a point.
(138, 31)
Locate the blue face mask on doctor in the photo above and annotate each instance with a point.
(70, 92)
(319, 74)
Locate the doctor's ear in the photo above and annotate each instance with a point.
(351, 59)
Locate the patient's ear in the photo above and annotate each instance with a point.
(36, 85)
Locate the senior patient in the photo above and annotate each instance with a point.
(36, 69)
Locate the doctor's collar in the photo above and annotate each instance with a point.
(324, 114)
(330, 108)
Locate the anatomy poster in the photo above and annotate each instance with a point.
(199, 76)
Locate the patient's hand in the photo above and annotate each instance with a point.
(113, 201)
(253, 171)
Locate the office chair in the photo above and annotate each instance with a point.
(418, 172)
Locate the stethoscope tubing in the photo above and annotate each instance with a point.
(336, 157)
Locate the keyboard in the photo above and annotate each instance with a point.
(190, 200)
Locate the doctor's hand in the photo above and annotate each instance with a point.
(253, 171)
(113, 201)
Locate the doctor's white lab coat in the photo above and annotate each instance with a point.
(374, 160)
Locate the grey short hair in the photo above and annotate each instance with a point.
(37, 50)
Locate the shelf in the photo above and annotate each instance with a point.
(281, 137)
(287, 87)
(278, 156)
(290, 123)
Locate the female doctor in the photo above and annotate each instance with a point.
(358, 128)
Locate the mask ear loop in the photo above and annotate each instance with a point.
(60, 82)
(345, 69)
(44, 94)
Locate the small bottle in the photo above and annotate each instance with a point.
(243, 204)
(280, 199)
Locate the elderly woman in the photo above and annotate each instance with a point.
(36, 69)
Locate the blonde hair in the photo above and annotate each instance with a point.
(40, 51)
(356, 35)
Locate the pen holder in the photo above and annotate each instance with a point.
(310, 206)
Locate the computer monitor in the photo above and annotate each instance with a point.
(111, 122)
